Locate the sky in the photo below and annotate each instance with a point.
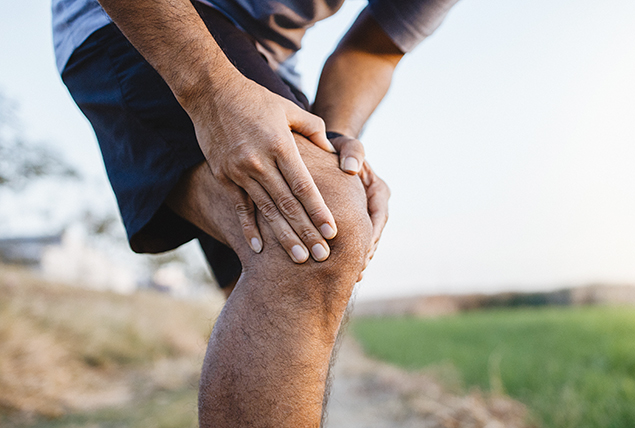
(507, 139)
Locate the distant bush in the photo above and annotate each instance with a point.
(515, 300)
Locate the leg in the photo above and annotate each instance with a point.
(223, 262)
(268, 357)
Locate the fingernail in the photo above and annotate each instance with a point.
(299, 254)
(319, 252)
(351, 165)
(332, 148)
(327, 231)
(256, 245)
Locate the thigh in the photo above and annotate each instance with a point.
(147, 140)
(202, 200)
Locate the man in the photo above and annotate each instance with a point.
(205, 135)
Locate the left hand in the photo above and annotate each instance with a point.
(352, 161)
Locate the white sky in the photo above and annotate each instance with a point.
(508, 140)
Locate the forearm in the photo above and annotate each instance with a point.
(356, 77)
(244, 130)
(174, 40)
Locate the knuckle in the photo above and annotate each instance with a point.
(269, 211)
(246, 224)
(248, 161)
(385, 188)
(290, 206)
(224, 179)
(218, 172)
(286, 238)
(353, 146)
(309, 236)
(279, 144)
(356, 146)
(319, 122)
(244, 210)
(317, 214)
(224, 174)
(302, 187)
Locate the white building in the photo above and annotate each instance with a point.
(74, 262)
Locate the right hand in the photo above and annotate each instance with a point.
(351, 152)
(245, 133)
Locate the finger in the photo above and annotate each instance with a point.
(284, 232)
(369, 257)
(378, 195)
(378, 218)
(244, 207)
(281, 229)
(351, 154)
(371, 254)
(298, 179)
(293, 212)
(309, 125)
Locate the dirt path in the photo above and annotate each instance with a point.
(48, 332)
(370, 394)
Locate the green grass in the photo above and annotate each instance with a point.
(573, 367)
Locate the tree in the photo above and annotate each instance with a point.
(21, 161)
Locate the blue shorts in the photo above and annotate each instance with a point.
(146, 138)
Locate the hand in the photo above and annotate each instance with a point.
(352, 161)
(377, 193)
(245, 133)
(351, 152)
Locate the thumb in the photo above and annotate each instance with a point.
(309, 125)
(351, 154)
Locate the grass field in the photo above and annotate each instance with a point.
(573, 367)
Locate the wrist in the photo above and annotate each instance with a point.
(199, 87)
(331, 135)
(340, 131)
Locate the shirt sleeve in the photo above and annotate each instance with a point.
(408, 22)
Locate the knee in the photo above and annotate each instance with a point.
(322, 286)
(336, 276)
(345, 196)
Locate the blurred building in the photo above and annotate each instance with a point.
(74, 261)
(67, 257)
(26, 251)
(73, 257)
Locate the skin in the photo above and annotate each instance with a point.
(268, 357)
(275, 192)
(255, 156)
(355, 79)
